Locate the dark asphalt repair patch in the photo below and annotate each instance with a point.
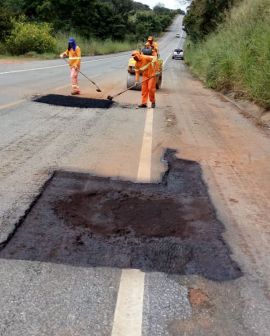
(74, 101)
(91, 221)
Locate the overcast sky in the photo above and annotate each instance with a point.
(174, 4)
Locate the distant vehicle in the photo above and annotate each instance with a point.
(177, 35)
(183, 28)
(178, 54)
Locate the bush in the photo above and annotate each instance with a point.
(26, 37)
(237, 56)
(93, 46)
(204, 16)
(6, 24)
(151, 23)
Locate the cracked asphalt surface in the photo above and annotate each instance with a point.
(45, 297)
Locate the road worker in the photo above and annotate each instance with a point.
(147, 65)
(147, 50)
(153, 45)
(74, 54)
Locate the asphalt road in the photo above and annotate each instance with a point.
(40, 298)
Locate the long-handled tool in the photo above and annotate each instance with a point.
(131, 87)
(90, 80)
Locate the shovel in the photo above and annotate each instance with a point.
(90, 80)
(131, 87)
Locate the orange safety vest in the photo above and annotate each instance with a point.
(74, 57)
(154, 47)
(146, 65)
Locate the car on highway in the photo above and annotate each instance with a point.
(178, 54)
(177, 35)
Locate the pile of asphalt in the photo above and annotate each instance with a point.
(74, 101)
(92, 221)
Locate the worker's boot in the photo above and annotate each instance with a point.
(74, 93)
(142, 106)
(75, 90)
(153, 105)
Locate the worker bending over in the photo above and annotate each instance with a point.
(74, 54)
(153, 45)
(147, 65)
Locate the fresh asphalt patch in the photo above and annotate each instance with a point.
(91, 221)
(73, 101)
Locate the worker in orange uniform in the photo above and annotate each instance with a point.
(148, 46)
(74, 54)
(153, 45)
(147, 65)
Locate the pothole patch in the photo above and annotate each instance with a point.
(91, 221)
(74, 101)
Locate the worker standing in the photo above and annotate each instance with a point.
(74, 54)
(147, 65)
(153, 45)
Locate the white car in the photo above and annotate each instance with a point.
(178, 54)
(177, 35)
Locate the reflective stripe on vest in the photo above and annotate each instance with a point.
(146, 66)
(74, 58)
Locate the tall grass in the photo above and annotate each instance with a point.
(94, 47)
(89, 47)
(237, 56)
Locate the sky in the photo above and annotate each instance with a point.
(174, 4)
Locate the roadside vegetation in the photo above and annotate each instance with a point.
(234, 55)
(42, 27)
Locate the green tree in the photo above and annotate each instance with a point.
(6, 23)
(26, 37)
(203, 17)
(103, 19)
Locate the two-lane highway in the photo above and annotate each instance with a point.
(69, 298)
(23, 80)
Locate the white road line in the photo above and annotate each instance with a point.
(2, 107)
(181, 39)
(166, 60)
(56, 66)
(128, 315)
(144, 171)
(62, 87)
(129, 307)
(35, 69)
(68, 85)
